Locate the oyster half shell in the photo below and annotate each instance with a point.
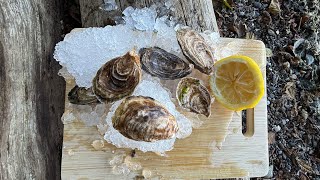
(163, 64)
(117, 78)
(192, 95)
(144, 119)
(196, 50)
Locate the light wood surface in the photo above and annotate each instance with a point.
(31, 92)
(217, 149)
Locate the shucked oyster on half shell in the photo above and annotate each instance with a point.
(163, 64)
(196, 50)
(117, 78)
(192, 95)
(144, 119)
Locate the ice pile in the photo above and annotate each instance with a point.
(84, 51)
(148, 88)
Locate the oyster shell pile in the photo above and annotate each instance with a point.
(196, 50)
(144, 119)
(192, 95)
(163, 64)
(117, 78)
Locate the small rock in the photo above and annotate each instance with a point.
(257, 5)
(304, 114)
(277, 128)
(286, 65)
(268, 102)
(284, 122)
(293, 76)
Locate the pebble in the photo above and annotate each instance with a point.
(284, 122)
(277, 128)
(268, 102)
(257, 5)
(286, 65)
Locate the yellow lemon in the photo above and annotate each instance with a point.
(237, 82)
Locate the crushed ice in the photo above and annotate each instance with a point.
(148, 88)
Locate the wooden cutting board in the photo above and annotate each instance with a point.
(198, 156)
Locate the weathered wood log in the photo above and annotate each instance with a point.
(198, 14)
(31, 92)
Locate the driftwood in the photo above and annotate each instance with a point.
(31, 92)
(198, 14)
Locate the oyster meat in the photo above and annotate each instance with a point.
(163, 64)
(82, 95)
(194, 96)
(144, 119)
(117, 78)
(196, 50)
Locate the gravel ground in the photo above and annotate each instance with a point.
(290, 30)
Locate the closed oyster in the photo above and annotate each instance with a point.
(192, 95)
(117, 78)
(163, 64)
(196, 50)
(82, 95)
(144, 119)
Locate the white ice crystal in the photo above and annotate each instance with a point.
(156, 91)
(84, 51)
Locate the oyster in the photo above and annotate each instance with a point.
(196, 50)
(163, 64)
(82, 95)
(192, 95)
(144, 119)
(117, 78)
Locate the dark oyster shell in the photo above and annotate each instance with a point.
(82, 95)
(144, 119)
(192, 95)
(196, 50)
(163, 64)
(117, 78)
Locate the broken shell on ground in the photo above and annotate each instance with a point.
(163, 64)
(196, 50)
(82, 96)
(117, 78)
(194, 96)
(144, 119)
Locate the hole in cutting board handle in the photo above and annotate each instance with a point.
(248, 122)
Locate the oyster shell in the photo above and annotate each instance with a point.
(196, 50)
(163, 64)
(192, 95)
(144, 119)
(82, 95)
(117, 78)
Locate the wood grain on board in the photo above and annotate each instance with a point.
(198, 156)
(31, 92)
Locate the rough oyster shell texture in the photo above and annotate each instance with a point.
(163, 64)
(117, 78)
(144, 119)
(196, 50)
(192, 95)
(82, 95)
